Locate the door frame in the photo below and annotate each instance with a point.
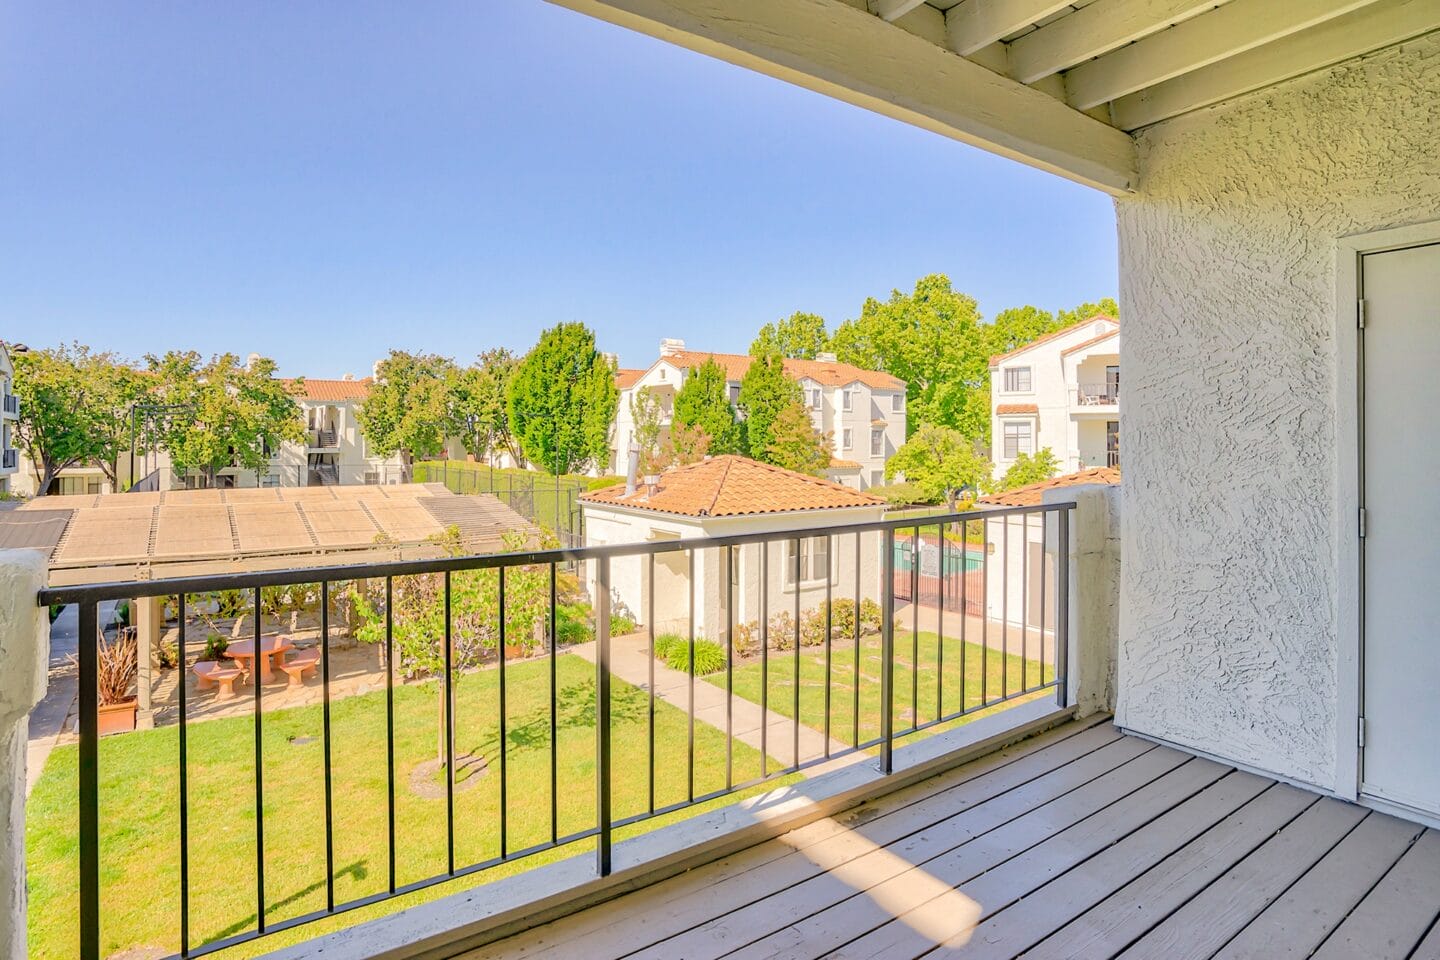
(1350, 489)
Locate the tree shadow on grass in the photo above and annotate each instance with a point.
(356, 871)
(574, 709)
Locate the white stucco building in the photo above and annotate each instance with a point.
(1060, 391)
(732, 496)
(862, 411)
(9, 414)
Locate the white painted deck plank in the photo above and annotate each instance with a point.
(1294, 925)
(814, 927)
(1207, 922)
(693, 898)
(1398, 911)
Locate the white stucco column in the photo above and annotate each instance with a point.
(24, 668)
(149, 622)
(1094, 593)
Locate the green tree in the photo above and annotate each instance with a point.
(647, 414)
(940, 462)
(411, 408)
(74, 408)
(800, 336)
(704, 402)
(795, 444)
(1017, 326)
(562, 400)
(1087, 311)
(932, 339)
(229, 414)
(1029, 469)
(765, 391)
(480, 404)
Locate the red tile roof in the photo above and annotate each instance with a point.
(732, 486)
(1001, 357)
(1005, 408)
(822, 372)
(627, 378)
(1033, 494)
(331, 390)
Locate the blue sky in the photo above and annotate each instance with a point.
(320, 182)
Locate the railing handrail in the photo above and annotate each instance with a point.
(136, 589)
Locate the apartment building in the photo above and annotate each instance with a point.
(9, 414)
(861, 411)
(1061, 391)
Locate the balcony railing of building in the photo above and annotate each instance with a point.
(932, 670)
(11, 460)
(324, 439)
(12, 404)
(1097, 394)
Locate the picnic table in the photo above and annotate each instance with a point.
(271, 648)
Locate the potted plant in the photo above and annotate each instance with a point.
(118, 662)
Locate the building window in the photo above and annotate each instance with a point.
(734, 393)
(897, 403)
(877, 477)
(815, 398)
(814, 560)
(1017, 380)
(847, 400)
(845, 437)
(877, 442)
(1017, 440)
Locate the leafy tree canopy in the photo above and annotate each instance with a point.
(800, 336)
(704, 402)
(480, 403)
(562, 398)
(1029, 469)
(228, 413)
(1086, 311)
(1017, 326)
(765, 392)
(412, 406)
(795, 444)
(940, 462)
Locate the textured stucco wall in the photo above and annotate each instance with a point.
(1228, 636)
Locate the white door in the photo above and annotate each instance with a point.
(1400, 442)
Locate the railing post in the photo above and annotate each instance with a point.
(602, 715)
(1062, 607)
(887, 655)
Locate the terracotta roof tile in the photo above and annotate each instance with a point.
(627, 378)
(331, 390)
(1005, 408)
(732, 486)
(1001, 357)
(1033, 494)
(822, 372)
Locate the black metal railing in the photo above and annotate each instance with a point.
(12, 404)
(11, 459)
(714, 591)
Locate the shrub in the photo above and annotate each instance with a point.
(843, 618)
(572, 632)
(621, 624)
(870, 616)
(167, 655)
(674, 650)
(782, 631)
(215, 646)
(812, 627)
(745, 637)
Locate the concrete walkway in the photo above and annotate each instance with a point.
(47, 720)
(630, 661)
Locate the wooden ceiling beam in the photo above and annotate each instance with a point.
(1093, 31)
(977, 23)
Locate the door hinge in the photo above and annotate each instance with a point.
(1360, 313)
(1360, 733)
(1362, 523)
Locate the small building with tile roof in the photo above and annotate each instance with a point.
(733, 496)
(863, 412)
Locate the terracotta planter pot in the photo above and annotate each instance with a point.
(513, 651)
(117, 717)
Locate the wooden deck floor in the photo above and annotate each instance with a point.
(1082, 843)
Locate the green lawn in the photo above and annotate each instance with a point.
(140, 820)
(780, 686)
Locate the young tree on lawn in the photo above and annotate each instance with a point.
(932, 339)
(800, 336)
(411, 407)
(229, 414)
(795, 444)
(1031, 469)
(765, 391)
(562, 399)
(941, 462)
(480, 394)
(704, 403)
(74, 408)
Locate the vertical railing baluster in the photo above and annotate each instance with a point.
(89, 780)
(984, 610)
(887, 656)
(915, 630)
(690, 707)
(855, 692)
(259, 777)
(181, 672)
(964, 609)
(729, 666)
(795, 692)
(448, 713)
(504, 734)
(764, 657)
(1044, 569)
(554, 743)
(602, 716)
(940, 629)
(1024, 599)
(650, 683)
(1004, 607)
(390, 722)
(1062, 611)
(829, 629)
(325, 719)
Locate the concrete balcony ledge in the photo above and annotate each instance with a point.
(472, 918)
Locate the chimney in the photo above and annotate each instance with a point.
(348, 377)
(826, 358)
(251, 360)
(632, 467)
(670, 345)
(375, 371)
(612, 358)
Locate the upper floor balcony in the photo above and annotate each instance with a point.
(11, 406)
(1101, 396)
(10, 459)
